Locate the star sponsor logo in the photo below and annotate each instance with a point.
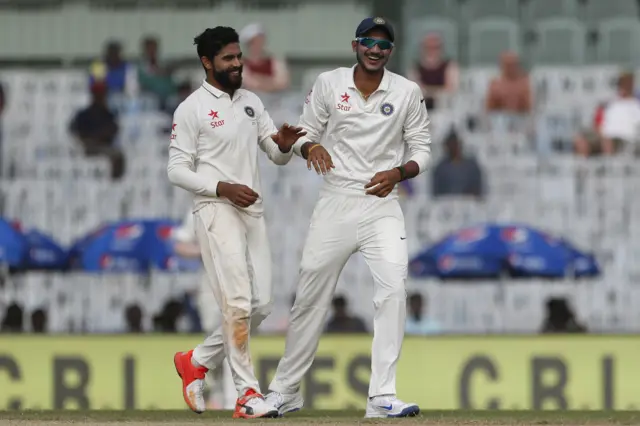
(343, 104)
(215, 119)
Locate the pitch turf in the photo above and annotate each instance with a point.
(310, 417)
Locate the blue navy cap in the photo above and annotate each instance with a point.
(370, 23)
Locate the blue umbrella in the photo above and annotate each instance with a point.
(584, 265)
(124, 246)
(488, 251)
(163, 255)
(44, 253)
(13, 245)
(130, 246)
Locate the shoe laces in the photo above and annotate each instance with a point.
(278, 397)
(251, 397)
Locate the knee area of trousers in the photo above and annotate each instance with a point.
(313, 267)
(238, 319)
(398, 295)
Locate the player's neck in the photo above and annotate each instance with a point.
(212, 81)
(367, 82)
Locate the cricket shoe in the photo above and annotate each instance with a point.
(284, 402)
(192, 381)
(252, 406)
(390, 407)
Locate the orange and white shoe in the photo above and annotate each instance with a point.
(252, 406)
(192, 381)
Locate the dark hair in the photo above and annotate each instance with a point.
(339, 302)
(150, 39)
(113, 45)
(212, 40)
(415, 297)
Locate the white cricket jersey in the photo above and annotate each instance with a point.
(215, 139)
(365, 137)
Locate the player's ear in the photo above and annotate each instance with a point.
(354, 45)
(206, 63)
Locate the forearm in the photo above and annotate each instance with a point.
(187, 250)
(304, 149)
(190, 181)
(275, 154)
(409, 170)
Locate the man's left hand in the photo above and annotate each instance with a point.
(383, 183)
(287, 136)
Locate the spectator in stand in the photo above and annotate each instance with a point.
(342, 322)
(133, 318)
(262, 71)
(39, 321)
(418, 322)
(509, 99)
(13, 319)
(154, 77)
(560, 318)
(167, 320)
(119, 76)
(457, 174)
(621, 118)
(588, 143)
(434, 72)
(96, 129)
(183, 90)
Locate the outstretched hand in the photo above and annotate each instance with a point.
(319, 158)
(383, 183)
(287, 136)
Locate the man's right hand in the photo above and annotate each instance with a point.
(318, 156)
(240, 195)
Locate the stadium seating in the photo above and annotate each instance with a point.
(560, 41)
(489, 37)
(592, 202)
(47, 183)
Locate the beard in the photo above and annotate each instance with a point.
(226, 80)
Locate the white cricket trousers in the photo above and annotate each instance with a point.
(231, 242)
(341, 225)
(219, 379)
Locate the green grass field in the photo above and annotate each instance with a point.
(321, 417)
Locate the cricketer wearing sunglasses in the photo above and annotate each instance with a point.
(367, 130)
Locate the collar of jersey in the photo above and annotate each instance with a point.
(384, 84)
(217, 92)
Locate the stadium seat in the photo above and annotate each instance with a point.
(618, 41)
(560, 41)
(540, 10)
(489, 38)
(491, 9)
(597, 10)
(438, 9)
